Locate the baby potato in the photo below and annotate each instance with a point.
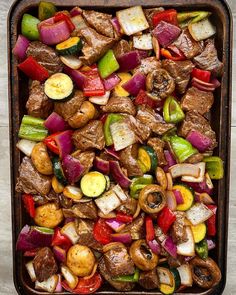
(80, 260)
(48, 215)
(41, 159)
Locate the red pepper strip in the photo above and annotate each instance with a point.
(167, 54)
(143, 99)
(169, 16)
(122, 217)
(211, 222)
(33, 69)
(93, 85)
(60, 240)
(102, 232)
(59, 16)
(201, 75)
(28, 201)
(51, 143)
(150, 232)
(165, 219)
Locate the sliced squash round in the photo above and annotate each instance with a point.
(199, 232)
(59, 86)
(69, 47)
(187, 195)
(93, 184)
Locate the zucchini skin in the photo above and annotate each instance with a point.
(69, 47)
(58, 171)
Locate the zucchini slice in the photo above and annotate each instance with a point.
(152, 155)
(165, 276)
(93, 184)
(69, 47)
(187, 195)
(58, 87)
(199, 232)
(166, 289)
(58, 171)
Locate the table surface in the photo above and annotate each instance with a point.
(6, 285)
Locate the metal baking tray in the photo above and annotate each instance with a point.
(220, 120)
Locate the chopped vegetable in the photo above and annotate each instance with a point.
(55, 123)
(199, 140)
(71, 61)
(202, 249)
(110, 119)
(165, 276)
(93, 85)
(59, 253)
(150, 232)
(128, 61)
(111, 82)
(169, 16)
(166, 33)
(72, 192)
(187, 248)
(132, 20)
(69, 47)
(188, 17)
(49, 285)
(30, 268)
(108, 202)
(60, 240)
(124, 238)
(214, 167)
(93, 184)
(46, 10)
(187, 196)
(73, 171)
(211, 222)
(33, 69)
(20, 47)
(176, 55)
(108, 64)
(78, 77)
(135, 84)
(202, 30)
(115, 224)
(52, 34)
(122, 135)
(63, 16)
(201, 75)
(69, 230)
(100, 100)
(26, 146)
(143, 42)
(32, 129)
(128, 278)
(183, 169)
(165, 219)
(102, 232)
(119, 175)
(172, 111)
(101, 165)
(199, 232)
(58, 87)
(198, 213)
(182, 148)
(48, 215)
(185, 275)
(58, 171)
(144, 99)
(29, 27)
(200, 178)
(138, 184)
(28, 201)
(119, 90)
(70, 278)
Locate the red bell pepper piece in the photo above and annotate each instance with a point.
(211, 222)
(59, 16)
(169, 16)
(201, 75)
(51, 143)
(165, 219)
(33, 69)
(150, 232)
(143, 99)
(60, 240)
(29, 204)
(93, 85)
(122, 217)
(177, 55)
(102, 232)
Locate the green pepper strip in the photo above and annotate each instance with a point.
(45, 230)
(172, 111)
(108, 64)
(182, 148)
(186, 18)
(138, 184)
(214, 167)
(32, 129)
(111, 118)
(129, 278)
(202, 249)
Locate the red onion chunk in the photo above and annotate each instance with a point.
(72, 168)
(76, 76)
(54, 33)
(201, 187)
(118, 174)
(215, 82)
(20, 47)
(143, 53)
(116, 25)
(30, 253)
(114, 224)
(59, 253)
(101, 165)
(178, 197)
(170, 246)
(55, 123)
(199, 140)
(32, 237)
(59, 285)
(171, 200)
(166, 33)
(124, 238)
(111, 81)
(135, 84)
(188, 258)
(110, 151)
(170, 160)
(211, 244)
(46, 22)
(129, 61)
(76, 11)
(69, 219)
(201, 85)
(154, 246)
(64, 143)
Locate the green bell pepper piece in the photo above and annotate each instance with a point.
(172, 111)
(45, 230)
(138, 184)
(111, 118)
(29, 27)
(46, 10)
(202, 249)
(108, 64)
(182, 148)
(166, 136)
(214, 167)
(128, 278)
(32, 129)
(188, 17)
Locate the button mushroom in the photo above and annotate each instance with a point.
(159, 84)
(142, 255)
(206, 274)
(152, 199)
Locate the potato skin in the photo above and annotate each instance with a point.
(80, 260)
(41, 159)
(48, 215)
